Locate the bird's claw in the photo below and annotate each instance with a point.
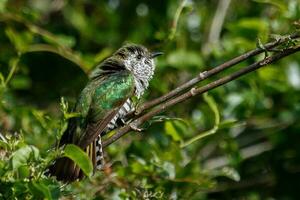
(135, 128)
(132, 125)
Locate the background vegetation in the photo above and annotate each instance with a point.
(47, 49)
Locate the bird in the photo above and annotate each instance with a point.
(103, 104)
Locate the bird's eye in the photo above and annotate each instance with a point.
(139, 56)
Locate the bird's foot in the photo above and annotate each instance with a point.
(134, 127)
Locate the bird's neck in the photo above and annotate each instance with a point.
(140, 85)
(141, 75)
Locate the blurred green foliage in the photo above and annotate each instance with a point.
(47, 48)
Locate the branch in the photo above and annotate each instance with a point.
(206, 74)
(196, 91)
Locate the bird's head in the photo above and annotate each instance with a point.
(134, 58)
(139, 61)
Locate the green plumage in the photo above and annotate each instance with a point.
(98, 103)
(100, 98)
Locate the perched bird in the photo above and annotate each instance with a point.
(103, 104)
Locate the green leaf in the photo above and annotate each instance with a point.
(65, 107)
(3, 5)
(229, 123)
(23, 155)
(2, 79)
(20, 82)
(80, 158)
(17, 189)
(63, 40)
(72, 115)
(40, 190)
(23, 172)
(4, 144)
(13, 63)
(213, 106)
(2, 167)
(170, 129)
(139, 166)
(20, 40)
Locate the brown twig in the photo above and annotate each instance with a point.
(196, 91)
(206, 74)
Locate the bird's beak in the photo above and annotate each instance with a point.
(155, 54)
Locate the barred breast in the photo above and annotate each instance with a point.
(114, 123)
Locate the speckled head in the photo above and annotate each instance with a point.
(139, 61)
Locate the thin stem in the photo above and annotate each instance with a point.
(176, 19)
(12, 71)
(213, 106)
(216, 25)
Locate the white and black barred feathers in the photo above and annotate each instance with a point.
(117, 121)
(138, 60)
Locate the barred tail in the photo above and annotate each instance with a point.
(100, 162)
(65, 170)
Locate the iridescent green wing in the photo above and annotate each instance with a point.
(108, 97)
(77, 125)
